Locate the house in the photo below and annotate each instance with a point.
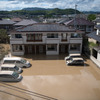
(16, 20)
(6, 24)
(94, 37)
(45, 38)
(25, 22)
(80, 24)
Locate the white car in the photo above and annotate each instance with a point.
(10, 76)
(18, 61)
(75, 61)
(75, 55)
(10, 67)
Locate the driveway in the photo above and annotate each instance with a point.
(50, 78)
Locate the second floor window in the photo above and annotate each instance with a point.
(52, 35)
(34, 37)
(64, 36)
(18, 36)
(75, 35)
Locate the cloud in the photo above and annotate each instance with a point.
(84, 5)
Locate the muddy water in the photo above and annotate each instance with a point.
(51, 76)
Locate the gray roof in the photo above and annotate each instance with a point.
(97, 26)
(45, 27)
(94, 36)
(79, 21)
(6, 22)
(25, 22)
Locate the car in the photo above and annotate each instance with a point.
(75, 55)
(10, 76)
(75, 61)
(18, 61)
(10, 67)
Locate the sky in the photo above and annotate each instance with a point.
(82, 5)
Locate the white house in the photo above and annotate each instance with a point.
(44, 38)
(95, 38)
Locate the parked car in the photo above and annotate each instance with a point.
(10, 76)
(18, 61)
(75, 61)
(75, 55)
(10, 67)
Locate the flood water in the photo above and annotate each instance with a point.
(49, 76)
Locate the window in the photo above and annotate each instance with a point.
(34, 37)
(52, 35)
(75, 35)
(17, 48)
(18, 36)
(64, 36)
(51, 47)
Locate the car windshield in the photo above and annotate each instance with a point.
(16, 68)
(15, 75)
(23, 60)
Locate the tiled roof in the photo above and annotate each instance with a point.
(45, 27)
(6, 22)
(16, 19)
(94, 36)
(25, 22)
(79, 21)
(97, 26)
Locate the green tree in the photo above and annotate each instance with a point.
(91, 17)
(4, 38)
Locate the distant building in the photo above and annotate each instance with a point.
(44, 38)
(25, 22)
(80, 24)
(16, 20)
(6, 24)
(95, 38)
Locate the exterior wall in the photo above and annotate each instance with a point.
(45, 41)
(92, 40)
(98, 56)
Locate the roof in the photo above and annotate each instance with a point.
(97, 26)
(16, 19)
(46, 27)
(25, 22)
(6, 72)
(94, 36)
(79, 21)
(7, 65)
(6, 22)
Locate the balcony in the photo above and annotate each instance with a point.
(16, 40)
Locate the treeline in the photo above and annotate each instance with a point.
(46, 13)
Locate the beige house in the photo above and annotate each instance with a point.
(44, 38)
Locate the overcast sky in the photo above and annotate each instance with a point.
(83, 5)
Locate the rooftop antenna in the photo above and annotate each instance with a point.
(75, 16)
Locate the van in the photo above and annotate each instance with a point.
(18, 61)
(74, 55)
(75, 61)
(12, 67)
(10, 76)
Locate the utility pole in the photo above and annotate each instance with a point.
(75, 16)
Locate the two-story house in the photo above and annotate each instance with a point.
(80, 24)
(94, 37)
(44, 38)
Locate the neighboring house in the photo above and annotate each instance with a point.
(16, 20)
(81, 24)
(44, 38)
(6, 24)
(97, 21)
(25, 22)
(95, 38)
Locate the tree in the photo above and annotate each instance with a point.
(91, 17)
(4, 38)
